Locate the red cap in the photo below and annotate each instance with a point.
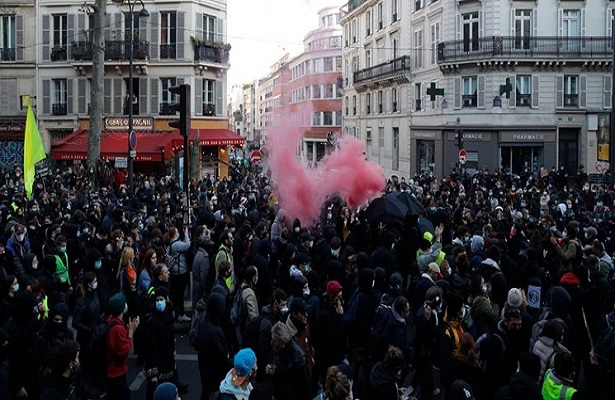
(333, 288)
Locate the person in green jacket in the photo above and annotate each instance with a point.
(65, 287)
(558, 381)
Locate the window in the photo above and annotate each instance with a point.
(380, 16)
(58, 107)
(523, 27)
(354, 105)
(135, 26)
(395, 161)
(418, 49)
(394, 100)
(327, 118)
(380, 98)
(354, 31)
(316, 92)
(571, 91)
(394, 9)
(571, 29)
(328, 64)
(346, 104)
(166, 98)
(417, 96)
(368, 58)
(469, 96)
(59, 30)
(329, 91)
(470, 31)
(168, 35)
(7, 46)
(368, 103)
(368, 23)
(523, 85)
(316, 119)
(418, 4)
(395, 47)
(435, 40)
(346, 35)
(426, 160)
(318, 66)
(209, 28)
(209, 98)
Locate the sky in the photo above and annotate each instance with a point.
(262, 31)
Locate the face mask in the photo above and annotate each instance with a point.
(161, 305)
(35, 265)
(335, 253)
(97, 264)
(284, 310)
(484, 288)
(126, 309)
(141, 227)
(95, 285)
(307, 268)
(297, 229)
(311, 243)
(16, 288)
(306, 291)
(21, 237)
(62, 249)
(564, 234)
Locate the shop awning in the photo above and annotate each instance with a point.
(151, 146)
(209, 137)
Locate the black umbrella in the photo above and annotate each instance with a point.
(425, 225)
(413, 204)
(386, 207)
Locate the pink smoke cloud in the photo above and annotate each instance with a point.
(302, 190)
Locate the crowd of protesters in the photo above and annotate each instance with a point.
(509, 296)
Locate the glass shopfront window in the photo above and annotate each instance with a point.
(425, 156)
(516, 159)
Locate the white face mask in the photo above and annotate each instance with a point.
(306, 291)
(335, 253)
(564, 234)
(21, 237)
(297, 229)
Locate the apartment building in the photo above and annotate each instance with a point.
(272, 98)
(248, 103)
(528, 84)
(172, 43)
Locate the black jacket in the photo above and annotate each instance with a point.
(382, 384)
(159, 343)
(521, 386)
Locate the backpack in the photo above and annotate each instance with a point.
(379, 332)
(172, 260)
(578, 258)
(604, 348)
(237, 314)
(537, 329)
(491, 348)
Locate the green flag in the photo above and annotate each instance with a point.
(33, 151)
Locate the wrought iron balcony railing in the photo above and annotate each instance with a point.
(59, 109)
(168, 51)
(7, 54)
(215, 54)
(524, 100)
(571, 100)
(394, 67)
(502, 47)
(352, 4)
(209, 109)
(81, 51)
(58, 53)
(469, 100)
(119, 50)
(165, 109)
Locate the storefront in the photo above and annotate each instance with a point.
(428, 152)
(481, 149)
(11, 144)
(527, 150)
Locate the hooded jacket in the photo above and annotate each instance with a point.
(382, 384)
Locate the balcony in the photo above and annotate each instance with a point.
(353, 4)
(135, 108)
(571, 100)
(385, 74)
(524, 100)
(209, 109)
(168, 51)
(7, 54)
(59, 109)
(119, 50)
(58, 53)
(525, 48)
(469, 100)
(208, 52)
(81, 51)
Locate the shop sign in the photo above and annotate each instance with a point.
(528, 137)
(121, 123)
(425, 135)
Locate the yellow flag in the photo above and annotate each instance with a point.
(33, 151)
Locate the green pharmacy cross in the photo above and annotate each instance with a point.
(432, 92)
(507, 88)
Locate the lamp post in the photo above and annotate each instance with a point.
(131, 151)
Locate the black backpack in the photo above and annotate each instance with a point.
(379, 332)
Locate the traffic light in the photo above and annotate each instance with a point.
(460, 139)
(183, 106)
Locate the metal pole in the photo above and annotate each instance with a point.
(96, 90)
(130, 94)
(186, 167)
(612, 123)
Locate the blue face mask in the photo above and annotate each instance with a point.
(97, 264)
(161, 305)
(94, 285)
(16, 288)
(63, 249)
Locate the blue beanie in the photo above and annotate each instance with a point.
(166, 391)
(244, 361)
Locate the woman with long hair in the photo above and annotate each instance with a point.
(150, 259)
(127, 278)
(464, 365)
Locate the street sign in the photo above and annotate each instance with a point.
(132, 139)
(256, 156)
(121, 162)
(463, 155)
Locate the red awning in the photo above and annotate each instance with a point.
(151, 146)
(209, 137)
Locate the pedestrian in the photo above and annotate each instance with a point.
(61, 380)
(288, 370)
(119, 342)
(237, 383)
(166, 391)
(559, 381)
(177, 249)
(386, 375)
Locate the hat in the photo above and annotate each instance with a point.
(333, 288)
(166, 391)
(244, 361)
(281, 331)
(591, 231)
(515, 297)
(345, 369)
(117, 304)
(20, 229)
(433, 267)
(301, 258)
(511, 312)
(460, 391)
(428, 236)
(298, 305)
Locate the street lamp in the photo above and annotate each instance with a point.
(131, 136)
